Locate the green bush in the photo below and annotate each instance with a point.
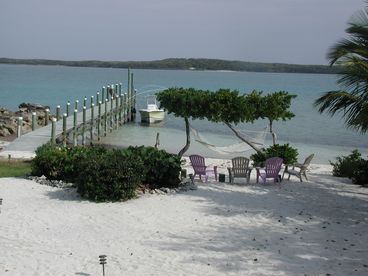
(76, 155)
(162, 169)
(49, 161)
(286, 152)
(110, 176)
(61, 163)
(352, 166)
(344, 166)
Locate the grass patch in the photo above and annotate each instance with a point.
(14, 168)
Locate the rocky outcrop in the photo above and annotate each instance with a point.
(8, 119)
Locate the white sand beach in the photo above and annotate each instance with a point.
(311, 228)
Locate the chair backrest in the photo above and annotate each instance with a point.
(273, 166)
(198, 163)
(308, 160)
(240, 166)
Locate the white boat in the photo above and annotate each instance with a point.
(152, 114)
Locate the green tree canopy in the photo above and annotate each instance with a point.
(226, 106)
(274, 107)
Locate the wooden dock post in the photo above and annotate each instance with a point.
(125, 110)
(92, 100)
(84, 126)
(47, 116)
(92, 121)
(116, 111)
(111, 114)
(53, 131)
(76, 104)
(129, 96)
(121, 109)
(58, 108)
(132, 95)
(65, 116)
(105, 118)
(19, 126)
(99, 122)
(107, 92)
(97, 97)
(67, 109)
(75, 142)
(103, 94)
(85, 101)
(33, 121)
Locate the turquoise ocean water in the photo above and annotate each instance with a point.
(309, 131)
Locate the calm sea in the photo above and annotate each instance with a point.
(309, 131)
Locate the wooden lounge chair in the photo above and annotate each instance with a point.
(298, 169)
(200, 168)
(271, 169)
(240, 168)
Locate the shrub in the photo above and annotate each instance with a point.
(162, 169)
(102, 174)
(110, 176)
(61, 163)
(352, 166)
(49, 161)
(286, 152)
(76, 155)
(344, 167)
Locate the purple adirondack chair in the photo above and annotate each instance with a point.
(271, 170)
(200, 168)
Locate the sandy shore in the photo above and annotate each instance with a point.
(314, 228)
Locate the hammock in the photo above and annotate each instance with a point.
(258, 141)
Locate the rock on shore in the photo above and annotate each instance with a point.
(8, 118)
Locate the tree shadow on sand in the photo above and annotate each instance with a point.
(294, 228)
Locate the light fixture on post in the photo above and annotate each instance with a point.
(103, 262)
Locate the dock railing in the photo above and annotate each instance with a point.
(106, 111)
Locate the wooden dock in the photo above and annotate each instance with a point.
(111, 110)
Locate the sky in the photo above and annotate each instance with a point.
(285, 31)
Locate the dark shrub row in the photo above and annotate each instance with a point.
(108, 174)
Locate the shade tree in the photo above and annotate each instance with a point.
(225, 106)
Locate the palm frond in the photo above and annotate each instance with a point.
(352, 54)
(354, 108)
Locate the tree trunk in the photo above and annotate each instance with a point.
(241, 138)
(186, 147)
(272, 133)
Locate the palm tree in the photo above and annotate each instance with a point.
(352, 55)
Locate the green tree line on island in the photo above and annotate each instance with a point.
(186, 64)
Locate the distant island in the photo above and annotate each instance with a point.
(186, 64)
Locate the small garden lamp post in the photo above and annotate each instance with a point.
(103, 262)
